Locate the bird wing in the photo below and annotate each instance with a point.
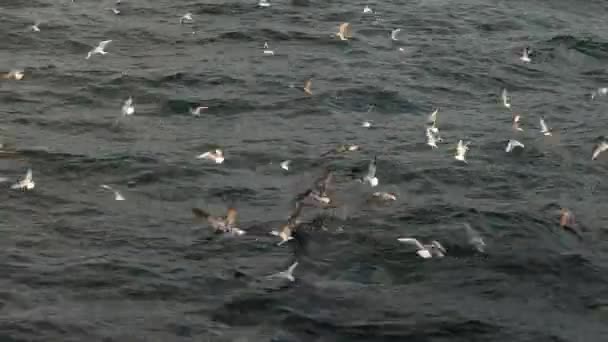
(200, 213)
(308, 86)
(28, 176)
(505, 97)
(103, 44)
(323, 183)
(292, 267)
(371, 170)
(411, 241)
(543, 125)
(231, 216)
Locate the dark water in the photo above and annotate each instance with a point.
(79, 266)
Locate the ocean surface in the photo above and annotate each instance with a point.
(77, 265)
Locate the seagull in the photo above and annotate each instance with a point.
(431, 138)
(285, 165)
(308, 86)
(13, 75)
(366, 124)
(128, 108)
(461, 151)
(117, 195)
(27, 183)
(267, 51)
(114, 10)
(367, 9)
(217, 156)
(475, 238)
(220, 224)
(35, 27)
(394, 34)
(186, 17)
(506, 99)
(512, 143)
(287, 274)
(525, 55)
(264, 3)
(600, 147)
(99, 49)
(370, 177)
(543, 127)
(345, 31)
(320, 192)
(426, 251)
(197, 111)
(515, 122)
(385, 196)
(599, 92)
(287, 230)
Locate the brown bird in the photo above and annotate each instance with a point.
(308, 87)
(220, 224)
(567, 222)
(287, 230)
(345, 31)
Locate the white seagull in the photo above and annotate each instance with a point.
(128, 108)
(35, 27)
(114, 10)
(394, 34)
(287, 274)
(512, 143)
(99, 49)
(366, 124)
(217, 156)
(600, 147)
(461, 151)
(599, 92)
(431, 138)
(543, 127)
(367, 9)
(515, 122)
(433, 117)
(264, 3)
(525, 55)
(426, 251)
(506, 99)
(267, 51)
(27, 183)
(370, 177)
(186, 18)
(285, 165)
(117, 195)
(197, 111)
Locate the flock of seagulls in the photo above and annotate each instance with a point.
(321, 193)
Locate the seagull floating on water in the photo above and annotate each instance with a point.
(197, 111)
(366, 124)
(426, 251)
(525, 55)
(285, 165)
(367, 10)
(370, 177)
(461, 151)
(117, 195)
(217, 156)
(506, 99)
(186, 18)
(345, 31)
(27, 183)
(512, 144)
(128, 108)
(385, 196)
(543, 127)
(287, 274)
(267, 51)
(13, 75)
(35, 27)
(601, 146)
(394, 34)
(99, 49)
(114, 10)
(220, 224)
(264, 3)
(567, 222)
